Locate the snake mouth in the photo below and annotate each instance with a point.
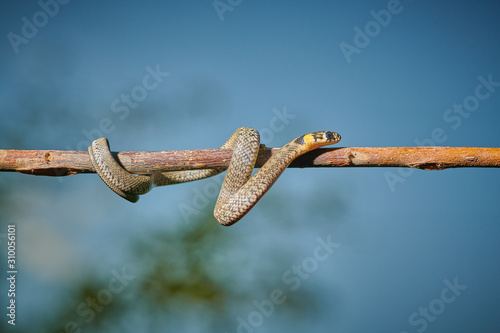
(332, 137)
(325, 137)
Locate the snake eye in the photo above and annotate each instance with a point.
(328, 135)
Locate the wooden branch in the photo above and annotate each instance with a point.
(66, 163)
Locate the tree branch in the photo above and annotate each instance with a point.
(66, 163)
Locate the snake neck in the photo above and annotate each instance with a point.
(233, 206)
(274, 167)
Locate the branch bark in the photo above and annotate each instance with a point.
(67, 163)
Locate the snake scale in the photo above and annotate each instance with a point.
(239, 192)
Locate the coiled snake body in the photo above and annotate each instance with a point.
(239, 192)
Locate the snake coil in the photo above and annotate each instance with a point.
(239, 192)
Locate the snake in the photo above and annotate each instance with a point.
(240, 191)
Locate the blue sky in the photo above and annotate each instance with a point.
(405, 236)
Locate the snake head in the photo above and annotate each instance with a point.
(318, 139)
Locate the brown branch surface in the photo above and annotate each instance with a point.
(66, 163)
